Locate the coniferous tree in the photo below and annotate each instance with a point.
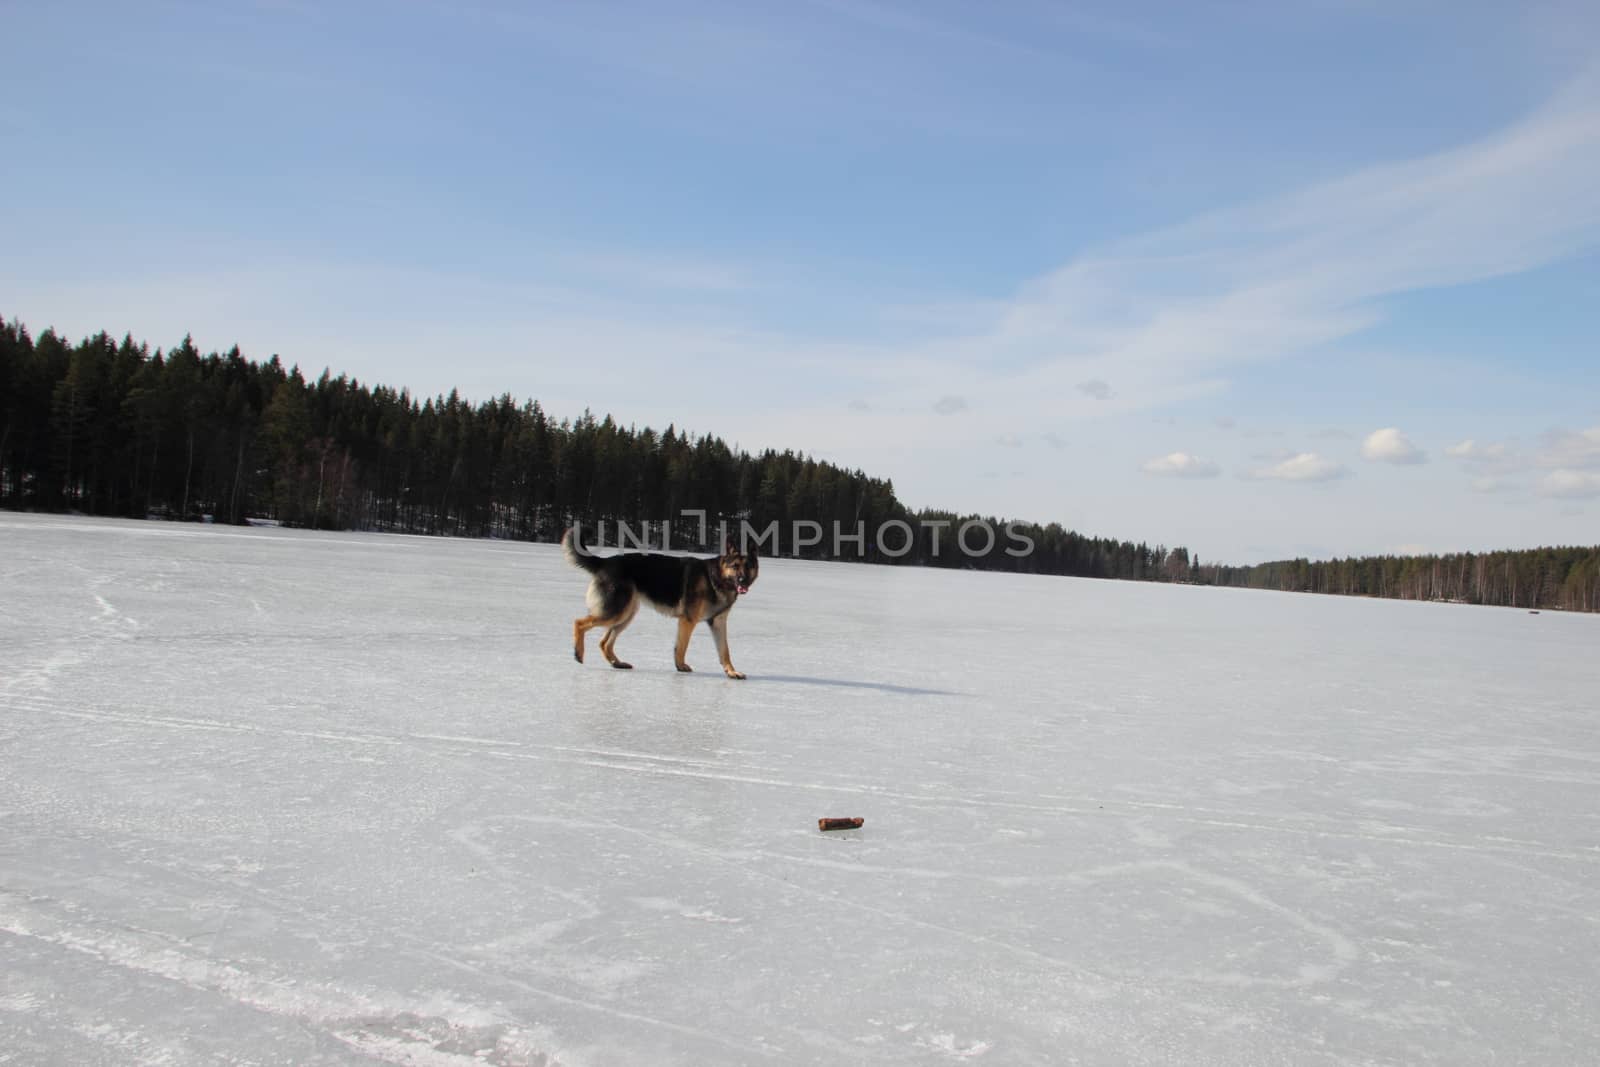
(115, 429)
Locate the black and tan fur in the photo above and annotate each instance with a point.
(691, 589)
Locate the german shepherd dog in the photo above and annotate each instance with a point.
(691, 589)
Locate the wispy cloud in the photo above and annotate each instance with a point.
(901, 22)
(1390, 445)
(950, 404)
(1168, 311)
(1570, 484)
(1471, 452)
(1303, 467)
(1181, 465)
(1124, 29)
(656, 271)
(1098, 388)
(1566, 448)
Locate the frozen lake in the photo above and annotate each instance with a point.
(284, 797)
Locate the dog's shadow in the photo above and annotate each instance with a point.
(842, 683)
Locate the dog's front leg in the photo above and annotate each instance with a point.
(719, 633)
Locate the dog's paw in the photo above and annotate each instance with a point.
(685, 668)
(734, 674)
(621, 666)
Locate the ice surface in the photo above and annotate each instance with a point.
(281, 797)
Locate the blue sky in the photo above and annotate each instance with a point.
(1263, 279)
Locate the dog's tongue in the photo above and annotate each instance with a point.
(744, 589)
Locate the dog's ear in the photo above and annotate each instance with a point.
(730, 549)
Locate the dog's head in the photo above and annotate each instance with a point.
(738, 569)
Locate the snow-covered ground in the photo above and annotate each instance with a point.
(282, 797)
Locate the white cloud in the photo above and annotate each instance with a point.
(1389, 445)
(1181, 465)
(1492, 464)
(1564, 448)
(1570, 484)
(1489, 483)
(1096, 387)
(1304, 467)
(630, 269)
(950, 404)
(1570, 459)
(1470, 451)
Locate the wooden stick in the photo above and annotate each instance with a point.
(839, 824)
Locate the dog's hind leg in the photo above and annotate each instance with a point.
(608, 602)
(589, 622)
(579, 628)
(608, 643)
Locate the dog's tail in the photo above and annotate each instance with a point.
(576, 554)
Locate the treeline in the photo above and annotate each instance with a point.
(108, 427)
(1566, 578)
